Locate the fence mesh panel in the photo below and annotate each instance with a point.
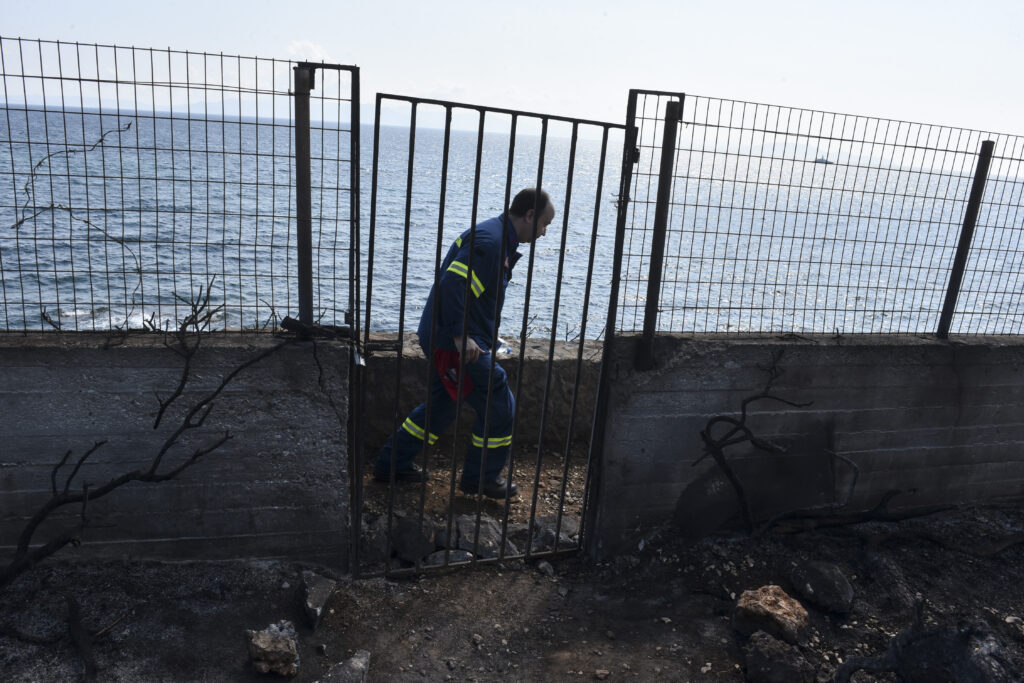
(791, 220)
(131, 178)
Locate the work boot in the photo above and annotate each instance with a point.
(498, 488)
(413, 475)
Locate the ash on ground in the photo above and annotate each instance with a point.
(666, 611)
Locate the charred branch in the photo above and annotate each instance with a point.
(737, 432)
(188, 339)
(825, 509)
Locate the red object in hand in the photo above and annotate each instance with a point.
(448, 366)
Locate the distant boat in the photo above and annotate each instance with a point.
(823, 160)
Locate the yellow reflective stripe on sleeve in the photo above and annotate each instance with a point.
(460, 268)
(458, 241)
(417, 431)
(496, 442)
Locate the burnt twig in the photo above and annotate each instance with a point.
(738, 433)
(195, 324)
(188, 337)
(816, 509)
(53, 323)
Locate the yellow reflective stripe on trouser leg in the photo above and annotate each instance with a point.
(417, 431)
(496, 442)
(460, 268)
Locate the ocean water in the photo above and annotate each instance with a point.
(561, 261)
(107, 221)
(113, 220)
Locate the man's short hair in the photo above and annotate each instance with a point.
(527, 199)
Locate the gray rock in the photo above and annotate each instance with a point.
(317, 590)
(412, 542)
(352, 670)
(570, 525)
(275, 649)
(824, 585)
(544, 539)
(519, 532)
(770, 609)
(436, 559)
(769, 660)
(489, 541)
(545, 567)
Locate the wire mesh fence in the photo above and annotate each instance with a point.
(791, 220)
(130, 178)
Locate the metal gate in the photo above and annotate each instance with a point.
(439, 169)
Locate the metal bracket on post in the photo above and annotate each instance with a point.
(645, 351)
(963, 249)
(305, 81)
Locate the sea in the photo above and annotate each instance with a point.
(120, 221)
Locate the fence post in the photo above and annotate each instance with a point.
(305, 81)
(966, 235)
(645, 351)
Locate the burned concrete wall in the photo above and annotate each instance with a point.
(278, 488)
(937, 422)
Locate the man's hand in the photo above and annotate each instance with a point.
(472, 353)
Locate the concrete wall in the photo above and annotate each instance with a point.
(941, 421)
(278, 488)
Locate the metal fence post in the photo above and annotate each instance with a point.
(966, 234)
(645, 351)
(305, 81)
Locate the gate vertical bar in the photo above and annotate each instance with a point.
(360, 408)
(356, 362)
(966, 235)
(304, 83)
(551, 342)
(400, 348)
(589, 513)
(645, 351)
(583, 341)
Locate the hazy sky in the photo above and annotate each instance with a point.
(953, 63)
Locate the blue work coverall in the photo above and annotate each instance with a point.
(488, 272)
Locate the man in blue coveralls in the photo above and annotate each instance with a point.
(477, 269)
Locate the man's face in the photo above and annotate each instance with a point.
(543, 223)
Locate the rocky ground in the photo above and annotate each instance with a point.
(550, 495)
(668, 611)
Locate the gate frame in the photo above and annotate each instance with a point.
(359, 405)
(630, 157)
(304, 79)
